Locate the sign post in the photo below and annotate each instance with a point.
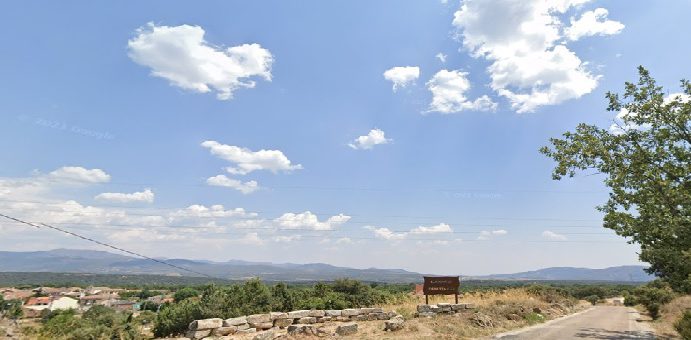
(441, 285)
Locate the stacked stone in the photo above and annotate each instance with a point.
(299, 321)
(442, 308)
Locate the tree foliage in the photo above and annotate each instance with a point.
(646, 160)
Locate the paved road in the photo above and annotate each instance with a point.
(601, 322)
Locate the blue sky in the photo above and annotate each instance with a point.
(85, 113)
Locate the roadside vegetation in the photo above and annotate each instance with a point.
(644, 159)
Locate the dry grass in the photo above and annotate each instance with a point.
(496, 305)
(670, 313)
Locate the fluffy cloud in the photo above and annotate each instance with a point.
(448, 94)
(374, 137)
(402, 76)
(487, 234)
(522, 39)
(217, 210)
(592, 23)
(552, 236)
(181, 55)
(224, 181)
(79, 174)
(386, 233)
(441, 57)
(439, 228)
(146, 196)
(308, 220)
(247, 160)
(286, 239)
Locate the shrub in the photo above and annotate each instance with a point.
(652, 296)
(683, 325)
(185, 293)
(593, 299)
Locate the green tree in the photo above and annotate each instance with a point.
(185, 293)
(646, 160)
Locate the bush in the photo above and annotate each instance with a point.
(652, 296)
(185, 293)
(593, 299)
(683, 325)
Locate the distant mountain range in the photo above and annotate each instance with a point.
(101, 262)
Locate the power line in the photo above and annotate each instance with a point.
(106, 245)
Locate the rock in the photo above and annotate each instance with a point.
(258, 319)
(350, 312)
(394, 324)
(307, 320)
(469, 306)
(324, 319)
(381, 316)
(205, 324)
(426, 315)
(366, 310)
(347, 329)
(316, 313)
(514, 317)
(198, 334)
(298, 314)
(333, 312)
(343, 318)
(223, 331)
(424, 308)
(371, 317)
(235, 321)
(458, 306)
(300, 329)
(243, 326)
(246, 331)
(360, 317)
(265, 335)
(482, 320)
(537, 310)
(283, 323)
(278, 315)
(264, 325)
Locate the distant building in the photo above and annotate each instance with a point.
(63, 303)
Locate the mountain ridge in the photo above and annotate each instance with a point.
(102, 262)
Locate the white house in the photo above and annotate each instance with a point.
(64, 303)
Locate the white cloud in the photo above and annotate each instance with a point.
(146, 196)
(441, 57)
(448, 94)
(79, 174)
(250, 239)
(308, 220)
(286, 239)
(374, 137)
(402, 76)
(223, 181)
(439, 228)
(521, 40)
(181, 55)
(593, 23)
(344, 240)
(487, 234)
(216, 210)
(247, 161)
(386, 233)
(553, 236)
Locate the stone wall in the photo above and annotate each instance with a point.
(294, 321)
(443, 308)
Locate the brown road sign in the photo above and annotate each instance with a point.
(441, 285)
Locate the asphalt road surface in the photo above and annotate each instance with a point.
(600, 322)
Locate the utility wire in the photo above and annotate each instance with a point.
(105, 245)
